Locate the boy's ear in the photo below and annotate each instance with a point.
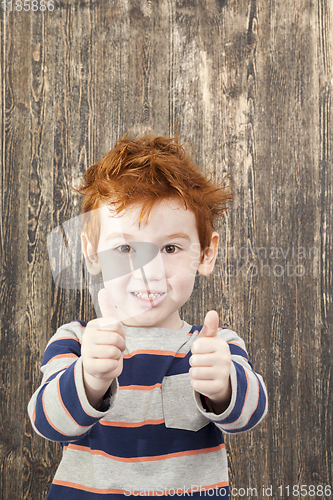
(208, 263)
(90, 255)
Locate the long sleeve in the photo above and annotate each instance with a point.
(59, 409)
(248, 405)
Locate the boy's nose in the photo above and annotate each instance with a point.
(153, 270)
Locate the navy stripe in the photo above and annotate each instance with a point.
(57, 492)
(180, 365)
(195, 328)
(258, 413)
(59, 347)
(149, 440)
(150, 369)
(44, 427)
(144, 369)
(71, 399)
(236, 350)
(241, 392)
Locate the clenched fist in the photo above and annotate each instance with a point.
(210, 364)
(103, 344)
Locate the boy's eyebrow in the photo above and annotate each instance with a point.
(179, 235)
(169, 237)
(115, 235)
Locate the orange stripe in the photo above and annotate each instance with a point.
(153, 351)
(145, 459)
(132, 424)
(86, 488)
(158, 353)
(139, 387)
(148, 492)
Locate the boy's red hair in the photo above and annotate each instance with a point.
(145, 171)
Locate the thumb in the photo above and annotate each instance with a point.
(108, 310)
(210, 325)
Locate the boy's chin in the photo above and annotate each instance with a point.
(145, 319)
(172, 322)
(137, 319)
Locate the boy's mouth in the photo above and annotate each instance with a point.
(149, 298)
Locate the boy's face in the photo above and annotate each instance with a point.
(150, 293)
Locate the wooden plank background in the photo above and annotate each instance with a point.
(249, 83)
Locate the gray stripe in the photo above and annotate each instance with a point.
(159, 339)
(93, 471)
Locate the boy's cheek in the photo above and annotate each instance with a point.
(188, 266)
(183, 280)
(117, 287)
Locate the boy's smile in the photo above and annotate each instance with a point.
(155, 264)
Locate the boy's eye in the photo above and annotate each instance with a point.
(124, 248)
(171, 248)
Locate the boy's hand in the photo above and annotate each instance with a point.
(103, 344)
(211, 362)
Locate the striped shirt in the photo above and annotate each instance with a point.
(153, 435)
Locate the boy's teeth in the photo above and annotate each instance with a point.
(147, 296)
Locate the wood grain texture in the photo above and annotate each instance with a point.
(249, 84)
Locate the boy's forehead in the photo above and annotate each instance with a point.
(165, 214)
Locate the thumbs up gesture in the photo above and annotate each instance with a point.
(210, 364)
(103, 344)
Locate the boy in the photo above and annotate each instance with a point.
(138, 398)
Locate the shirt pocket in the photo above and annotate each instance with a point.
(180, 410)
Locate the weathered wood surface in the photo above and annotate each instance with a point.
(249, 83)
